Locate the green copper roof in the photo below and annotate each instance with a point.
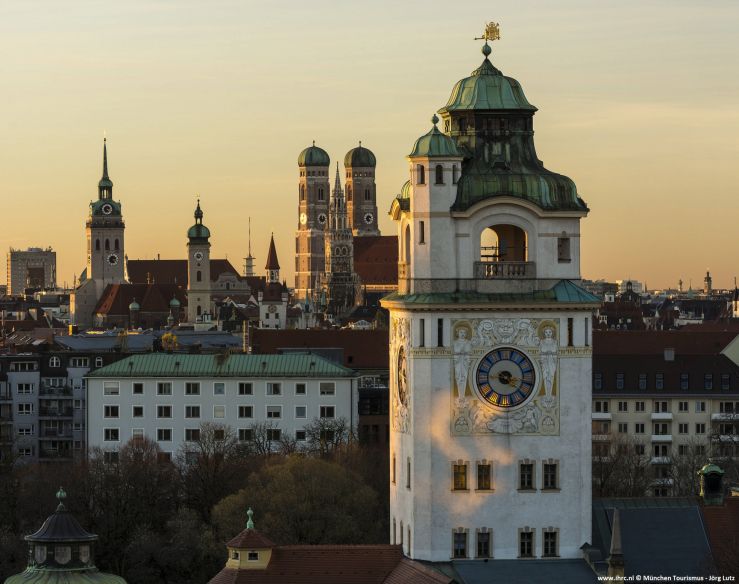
(238, 365)
(34, 576)
(487, 89)
(313, 156)
(96, 208)
(405, 190)
(359, 157)
(564, 292)
(198, 231)
(435, 144)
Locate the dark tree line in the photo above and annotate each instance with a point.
(162, 521)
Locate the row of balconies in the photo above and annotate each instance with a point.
(489, 270)
(655, 416)
(55, 412)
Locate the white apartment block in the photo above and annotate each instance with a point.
(166, 397)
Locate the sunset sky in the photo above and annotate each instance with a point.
(638, 103)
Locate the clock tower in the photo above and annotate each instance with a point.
(361, 192)
(105, 229)
(490, 339)
(313, 203)
(198, 269)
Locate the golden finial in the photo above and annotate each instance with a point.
(492, 32)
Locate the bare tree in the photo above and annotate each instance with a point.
(261, 438)
(327, 435)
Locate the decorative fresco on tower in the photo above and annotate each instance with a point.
(505, 374)
(399, 385)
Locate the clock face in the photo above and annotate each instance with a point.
(505, 377)
(303, 218)
(199, 255)
(322, 218)
(402, 377)
(272, 308)
(107, 209)
(368, 218)
(112, 259)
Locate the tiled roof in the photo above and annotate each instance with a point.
(250, 539)
(684, 342)
(238, 365)
(722, 525)
(563, 292)
(376, 259)
(542, 571)
(170, 271)
(361, 349)
(151, 298)
(272, 263)
(333, 564)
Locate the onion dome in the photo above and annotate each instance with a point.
(435, 144)
(405, 190)
(134, 306)
(314, 156)
(198, 233)
(487, 89)
(174, 303)
(359, 157)
(62, 551)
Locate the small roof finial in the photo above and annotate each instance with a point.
(434, 119)
(492, 33)
(314, 142)
(360, 143)
(60, 496)
(250, 522)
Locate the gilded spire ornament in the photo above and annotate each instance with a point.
(492, 32)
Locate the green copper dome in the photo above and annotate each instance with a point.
(435, 144)
(405, 190)
(198, 233)
(313, 156)
(134, 306)
(487, 89)
(359, 157)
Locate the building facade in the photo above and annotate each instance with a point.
(490, 340)
(166, 397)
(32, 268)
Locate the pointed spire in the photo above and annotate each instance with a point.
(337, 182)
(272, 263)
(105, 186)
(105, 158)
(616, 555)
(198, 213)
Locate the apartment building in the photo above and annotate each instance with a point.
(167, 397)
(666, 394)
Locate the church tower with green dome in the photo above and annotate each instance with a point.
(361, 191)
(313, 203)
(62, 552)
(490, 339)
(198, 269)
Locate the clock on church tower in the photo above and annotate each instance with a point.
(490, 339)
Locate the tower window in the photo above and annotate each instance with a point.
(97, 245)
(563, 249)
(421, 232)
(439, 174)
(320, 194)
(107, 244)
(349, 192)
(302, 192)
(455, 174)
(459, 476)
(200, 310)
(198, 276)
(460, 544)
(116, 245)
(367, 195)
(420, 174)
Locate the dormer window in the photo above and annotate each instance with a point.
(253, 557)
(234, 555)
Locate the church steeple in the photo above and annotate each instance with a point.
(105, 186)
(273, 265)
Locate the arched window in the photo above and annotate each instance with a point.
(367, 195)
(116, 246)
(198, 276)
(228, 285)
(200, 310)
(401, 533)
(302, 192)
(407, 244)
(320, 194)
(55, 362)
(107, 245)
(348, 192)
(97, 245)
(420, 174)
(439, 174)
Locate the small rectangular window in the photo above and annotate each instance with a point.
(659, 381)
(246, 411)
(550, 475)
(682, 406)
(192, 388)
(164, 435)
(700, 406)
(460, 477)
(301, 412)
(245, 434)
(219, 411)
(639, 428)
(111, 387)
(483, 544)
(526, 544)
(623, 406)
(300, 435)
(164, 388)
(274, 412)
(725, 381)
(460, 545)
(708, 381)
(138, 412)
(639, 406)
(164, 411)
(550, 544)
(526, 476)
(598, 381)
(563, 250)
(300, 389)
(642, 381)
(274, 388)
(274, 434)
(111, 434)
(111, 411)
(619, 380)
(219, 388)
(484, 473)
(246, 388)
(570, 332)
(421, 232)
(700, 428)
(327, 388)
(684, 380)
(138, 389)
(327, 411)
(422, 332)
(192, 411)
(439, 332)
(192, 434)
(623, 428)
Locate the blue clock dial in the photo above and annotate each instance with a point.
(505, 377)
